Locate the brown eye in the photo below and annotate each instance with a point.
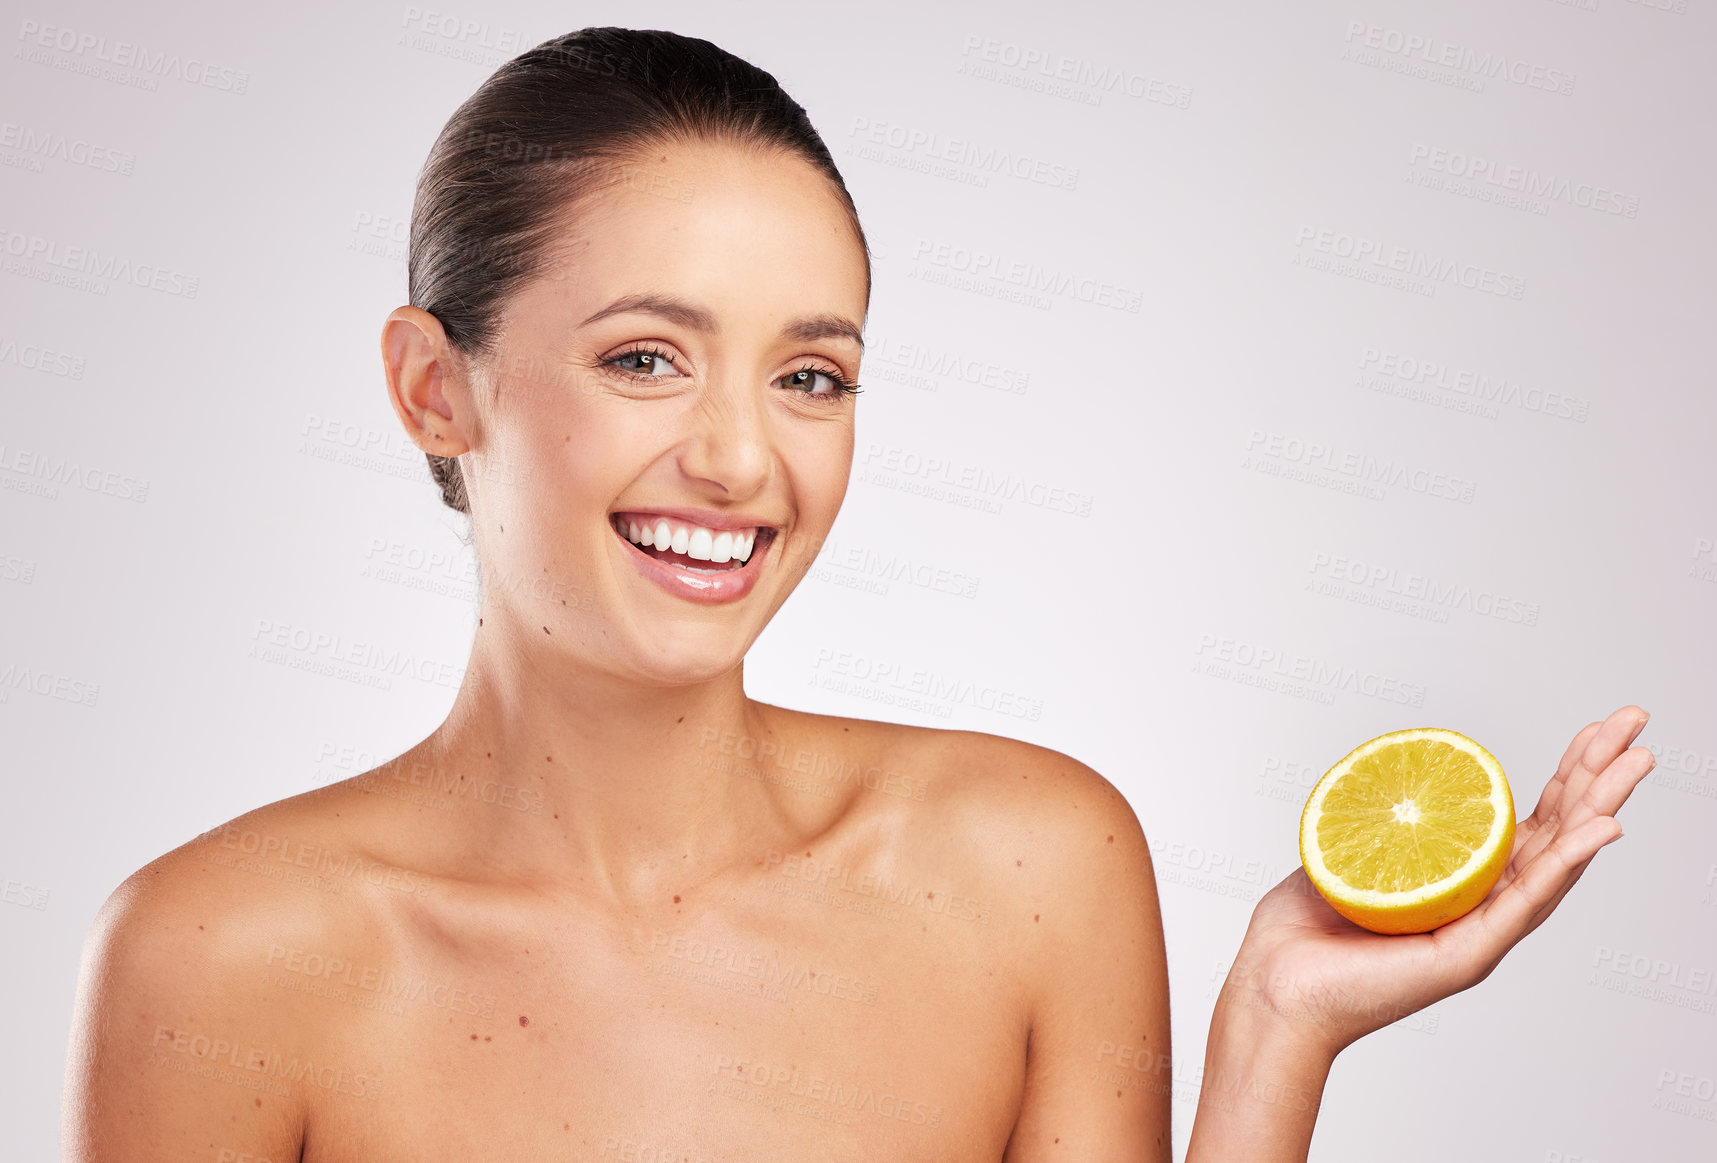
(649, 364)
(815, 382)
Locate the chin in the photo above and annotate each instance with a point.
(683, 666)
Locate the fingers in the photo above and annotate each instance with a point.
(1575, 817)
(1552, 794)
(1609, 741)
(1604, 794)
(1547, 810)
(1540, 886)
(1612, 787)
(1607, 771)
(1594, 748)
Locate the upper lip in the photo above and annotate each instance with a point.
(708, 518)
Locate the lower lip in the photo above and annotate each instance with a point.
(709, 588)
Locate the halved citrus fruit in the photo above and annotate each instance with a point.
(1409, 831)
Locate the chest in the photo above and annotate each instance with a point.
(803, 1029)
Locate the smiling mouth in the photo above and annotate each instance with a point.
(692, 547)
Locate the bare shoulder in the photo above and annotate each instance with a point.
(1071, 928)
(993, 784)
(1022, 818)
(279, 871)
(174, 996)
(1021, 803)
(1057, 859)
(1011, 775)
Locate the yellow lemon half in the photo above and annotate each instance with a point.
(1409, 831)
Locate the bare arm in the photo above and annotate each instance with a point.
(1099, 1068)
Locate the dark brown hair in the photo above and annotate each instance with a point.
(551, 126)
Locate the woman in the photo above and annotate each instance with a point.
(614, 909)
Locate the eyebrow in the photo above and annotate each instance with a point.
(701, 319)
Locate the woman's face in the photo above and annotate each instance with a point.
(664, 439)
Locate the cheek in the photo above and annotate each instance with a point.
(585, 467)
(591, 456)
(821, 464)
(559, 467)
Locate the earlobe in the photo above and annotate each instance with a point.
(417, 361)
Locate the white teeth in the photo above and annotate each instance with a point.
(693, 541)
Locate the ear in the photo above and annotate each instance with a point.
(425, 384)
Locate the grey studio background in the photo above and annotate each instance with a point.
(1243, 381)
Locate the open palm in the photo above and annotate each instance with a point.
(1304, 961)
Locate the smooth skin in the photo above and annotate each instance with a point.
(614, 909)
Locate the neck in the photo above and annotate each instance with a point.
(623, 786)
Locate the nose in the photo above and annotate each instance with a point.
(730, 446)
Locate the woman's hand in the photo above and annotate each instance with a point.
(1334, 982)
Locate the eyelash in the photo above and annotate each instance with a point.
(843, 386)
